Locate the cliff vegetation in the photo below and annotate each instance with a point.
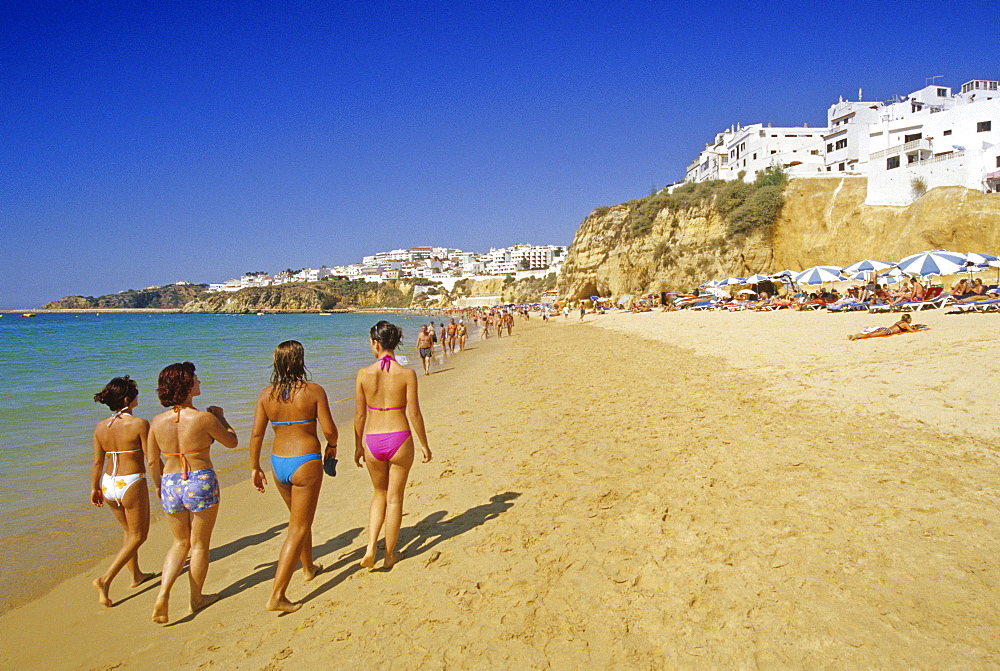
(713, 230)
(170, 297)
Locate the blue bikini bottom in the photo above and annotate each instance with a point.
(285, 467)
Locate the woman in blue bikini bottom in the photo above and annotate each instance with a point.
(295, 459)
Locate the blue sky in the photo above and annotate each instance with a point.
(143, 143)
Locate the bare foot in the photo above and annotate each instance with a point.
(141, 578)
(368, 561)
(102, 593)
(312, 571)
(205, 600)
(282, 605)
(390, 560)
(160, 611)
(851, 337)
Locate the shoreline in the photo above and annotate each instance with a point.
(622, 493)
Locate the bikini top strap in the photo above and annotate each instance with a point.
(384, 362)
(184, 461)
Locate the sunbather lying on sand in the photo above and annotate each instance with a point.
(902, 326)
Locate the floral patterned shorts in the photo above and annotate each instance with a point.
(199, 492)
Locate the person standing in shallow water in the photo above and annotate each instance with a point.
(123, 483)
(386, 407)
(294, 407)
(186, 482)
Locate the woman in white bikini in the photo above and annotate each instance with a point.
(385, 397)
(122, 483)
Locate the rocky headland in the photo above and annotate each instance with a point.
(666, 244)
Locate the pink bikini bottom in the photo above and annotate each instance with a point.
(384, 445)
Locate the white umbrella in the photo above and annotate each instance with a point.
(747, 291)
(937, 262)
(866, 264)
(978, 259)
(756, 279)
(819, 275)
(730, 281)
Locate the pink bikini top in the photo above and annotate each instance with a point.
(384, 364)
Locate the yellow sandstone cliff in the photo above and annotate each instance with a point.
(823, 221)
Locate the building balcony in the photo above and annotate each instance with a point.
(912, 147)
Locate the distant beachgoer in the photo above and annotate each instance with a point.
(566, 311)
(902, 326)
(425, 345)
(293, 406)
(976, 292)
(386, 407)
(452, 335)
(186, 482)
(122, 485)
(463, 334)
(583, 311)
(444, 339)
(508, 321)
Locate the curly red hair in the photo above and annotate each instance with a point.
(175, 383)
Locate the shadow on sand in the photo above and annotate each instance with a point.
(419, 538)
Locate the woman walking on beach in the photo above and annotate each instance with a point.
(186, 482)
(293, 406)
(122, 484)
(383, 438)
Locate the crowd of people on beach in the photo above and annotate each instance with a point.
(174, 448)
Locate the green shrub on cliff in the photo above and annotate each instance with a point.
(744, 207)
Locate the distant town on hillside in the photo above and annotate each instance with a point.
(442, 265)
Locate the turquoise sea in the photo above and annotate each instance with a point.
(53, 364)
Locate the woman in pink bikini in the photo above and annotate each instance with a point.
(386, 407)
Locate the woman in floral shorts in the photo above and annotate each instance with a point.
(185, 479)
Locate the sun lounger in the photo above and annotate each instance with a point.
(917, 306)
(848, 307)
(977, 306)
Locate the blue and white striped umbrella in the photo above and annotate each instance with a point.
(819, 275)
(729, 281)
(868, 265)
(937, 262)
(710, 283)
(975, 258)
(756, 279)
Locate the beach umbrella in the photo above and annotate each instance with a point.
(624, 299)
(937, 262)
(819, 275)
(867, 264)
(756, 279)
(731, 280)
(747, 291)
(977, 259)
(710, 283)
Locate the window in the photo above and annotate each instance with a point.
(841, 167)
(984, 126)
(774, 151)
(814, 152)
(911, 158)
(829, 148)
(942, 93)
(912, 137)
(998, 161)
(755, 156)
(891, 162)
(947, 132)
(841, 144)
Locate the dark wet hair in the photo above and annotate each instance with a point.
(118, 393)
(175, 383)
(290, 369)
(387, 335)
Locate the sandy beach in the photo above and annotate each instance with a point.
(660, 490)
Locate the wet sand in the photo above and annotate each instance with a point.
(641, 491)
